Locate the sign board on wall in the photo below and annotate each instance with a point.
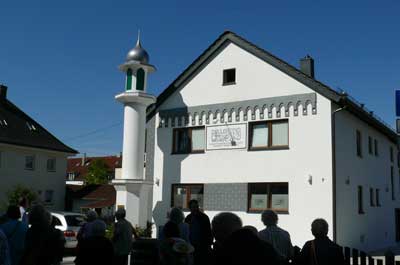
(228, 136)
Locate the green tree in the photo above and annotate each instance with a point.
(19, 191)
(97, 173)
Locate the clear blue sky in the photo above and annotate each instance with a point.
(59, 58)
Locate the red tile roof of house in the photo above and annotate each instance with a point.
(97, 196)
(74, 165)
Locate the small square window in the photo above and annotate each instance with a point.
(188, 140)
(51, 164)
(229, 76)
(48, 196)
(262, 196)
(30, 162)
(183, 193)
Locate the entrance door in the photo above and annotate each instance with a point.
(397, 221)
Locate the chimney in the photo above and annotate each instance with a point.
(3, 92)
(307, 66)
(83, 159)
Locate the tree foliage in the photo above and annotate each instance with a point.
(20, 191)
(98, 172)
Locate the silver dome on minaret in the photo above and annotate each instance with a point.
(138, 54)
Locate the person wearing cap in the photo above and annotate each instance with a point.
(85, 230)
(122, 238)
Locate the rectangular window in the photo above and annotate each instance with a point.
(229, 76)
(392, 182)
(359, 143)
(30, 162)
(268, 135)
(371, 197)
(183, 193)
(262, 196)
(71, 176)
(360, 200)
(391, 155)
(188, 140)
(370, 145)
(376, 147)
(48, 196)
(51, 164)
(378, 202)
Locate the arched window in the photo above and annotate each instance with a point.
(140, 79)
(128, 79)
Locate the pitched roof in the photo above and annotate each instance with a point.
(17, 128)
(74, 165)
(227, 37)
(98, 196)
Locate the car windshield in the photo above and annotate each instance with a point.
(74, 220)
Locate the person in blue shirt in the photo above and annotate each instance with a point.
(15, 232)
(4, 250)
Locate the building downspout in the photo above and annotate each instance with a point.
(333, 119)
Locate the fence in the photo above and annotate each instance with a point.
(356, 257)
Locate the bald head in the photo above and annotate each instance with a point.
(224, 224)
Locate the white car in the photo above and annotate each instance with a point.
(69, 223)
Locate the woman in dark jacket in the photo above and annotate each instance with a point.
(96, 248)
(44, 244)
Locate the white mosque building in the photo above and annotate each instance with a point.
(241, 130)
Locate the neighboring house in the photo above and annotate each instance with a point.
(30, 156)
(241, 130)
(77, 168)
(101, 198)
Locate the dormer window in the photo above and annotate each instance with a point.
(229, 77)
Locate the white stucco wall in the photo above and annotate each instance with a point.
(377, 225)
(309, 145)
(13, 172)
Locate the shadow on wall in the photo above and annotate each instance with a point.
(171, 172)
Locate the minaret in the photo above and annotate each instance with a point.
(134, 193)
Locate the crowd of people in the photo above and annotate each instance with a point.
(194, 240)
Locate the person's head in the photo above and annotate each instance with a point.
(39, 216)
(120, 214)
(251, 229)
(224, 224)
(13, 212)
(98, 228)
(23, 202)
(194, 206)
(319, 228)
(91, 216)
(171, 229)
(269, 218)
(176, 215)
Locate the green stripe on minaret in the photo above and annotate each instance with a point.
(128, 80)
(140, 79)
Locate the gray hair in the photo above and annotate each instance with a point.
(98, 228)
(319, 227)
(91, 215)
(176, 215)
(224, 224)
(269, 217)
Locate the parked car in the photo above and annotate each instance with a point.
(69, 223)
